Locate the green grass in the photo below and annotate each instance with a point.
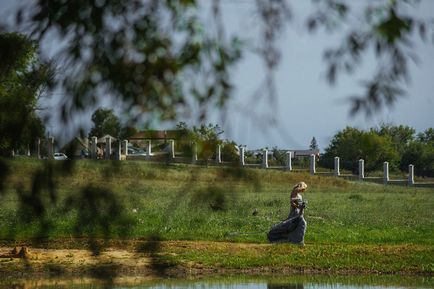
(193, 203)
(352, 226)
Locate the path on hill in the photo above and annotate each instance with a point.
(180, 258)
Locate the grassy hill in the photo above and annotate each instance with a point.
(351, 225)
(195, 203)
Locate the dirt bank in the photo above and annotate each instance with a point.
(195, 258)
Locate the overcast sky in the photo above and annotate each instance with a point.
(307, 106)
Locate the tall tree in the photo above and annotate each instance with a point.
(22, 79)
(105, 122)
(313, 144)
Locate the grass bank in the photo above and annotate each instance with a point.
(354, 226)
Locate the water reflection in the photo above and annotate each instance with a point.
(285, 286)
(239, 282)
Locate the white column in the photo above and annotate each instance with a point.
(108, 147)
(38, 148)
(28, 150)
(312, 164)
(50, 147)
(242, 162)
(119, 151)
(125, 145)
(264, 159)
(13, 153)
(172, 149)
(288, 161)
(337, 172)
(148, 149)
(385, 173)
(86, 144)
(194, 152)
(94, 149)
(361, 169)
(410, 175)
(218, 154)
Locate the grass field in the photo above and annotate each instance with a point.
(217, 204)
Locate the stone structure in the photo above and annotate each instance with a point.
(38, 148)
(264, 159)
(193, 152)
(289, 161)
(108, 147)
(119, 151)
(218, 154)
(172, 149)
(361, 169)
(312, 164)
(94, 149)
(125, 147)
(242, 161)
(337, 172)
(410, 175)
(148, 149)
(385, 172)
(50, 148)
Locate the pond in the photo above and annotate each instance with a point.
(232, 282)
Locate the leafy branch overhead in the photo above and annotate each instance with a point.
(384, 28)
(144, 53)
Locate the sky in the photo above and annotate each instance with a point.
(307, 105)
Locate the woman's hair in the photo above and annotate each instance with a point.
(300, 186)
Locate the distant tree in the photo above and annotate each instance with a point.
(352, 144)
(229, 151)
(127, 132)
(401, 136)
(105, 122)
(421, 155)
(206, 138)
(313, 144)
(22, 80)
(427, 136)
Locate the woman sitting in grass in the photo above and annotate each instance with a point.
(294, 227)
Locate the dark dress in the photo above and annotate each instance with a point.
(290, 230)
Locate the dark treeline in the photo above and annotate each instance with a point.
(398, 145)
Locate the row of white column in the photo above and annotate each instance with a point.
(312, 166)
(50, 148)
(386, 179)
(123, 146)
(264, 163)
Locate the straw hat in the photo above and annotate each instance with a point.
(301, 186)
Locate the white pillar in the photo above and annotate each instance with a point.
(50, 147)
(94, 149)
(385, 173)
(264, 159)
(288, 161)
(86, 143)
(337, 172)
(108, 147)
(361, 169)
(242, 162)
(119, 151)
(38, 148)
(28, 150)
(172, 149)
(312, 164)
(410, 175)
(13, 152)
(125, 145)
(148, 149)
(218, 154)
(194, 152)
